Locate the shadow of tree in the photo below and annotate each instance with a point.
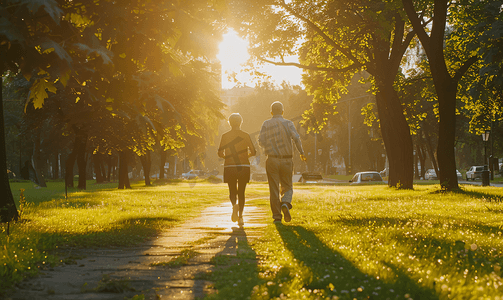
(331, 271)
(490, 197)
(433, 247)
(430, 221)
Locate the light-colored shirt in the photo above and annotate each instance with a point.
(276, 137)
(235, 147)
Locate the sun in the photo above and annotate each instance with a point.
(233, 53)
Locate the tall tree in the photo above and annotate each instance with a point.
(445, 79)
(337, 40)
(8, 210)
(28, 32)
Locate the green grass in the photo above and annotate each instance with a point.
(101, 216)
(340, 177)
(344, 242)
(379, 243)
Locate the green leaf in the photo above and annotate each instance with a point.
(159, 100)
(50, 6)
(38, 94)
(101, 51)
(64, 77)
(60, 51)
(10, 31)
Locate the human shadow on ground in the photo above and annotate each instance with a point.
(331, 271)
(236, 257)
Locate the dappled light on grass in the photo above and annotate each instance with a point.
(344, 242)
(378, 242)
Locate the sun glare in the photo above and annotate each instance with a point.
(233, 54)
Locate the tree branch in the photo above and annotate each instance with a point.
(319, 31)
(416, 24)
(311, 67)
(418, 79)
(464, 68)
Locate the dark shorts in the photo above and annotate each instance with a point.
(241, 174)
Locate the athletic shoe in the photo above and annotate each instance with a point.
(286, 213)
(235, 210)
(240, 221)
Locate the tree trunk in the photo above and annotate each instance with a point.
(99, 168)
(422, 158)
(396, 137)
(388, 53)
(70, 162)
(80, 149)
(146, 164)
(8, 209)
(109, 165)
(37, 161)
(416, 169)
(163, 162)
(123, 171)
(447, 137)
(430, 152)
(55, 165)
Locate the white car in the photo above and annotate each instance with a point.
(366, 178)
(191, 174)
(430, 175)
(474, 172)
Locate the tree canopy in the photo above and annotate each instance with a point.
(335, 40)
(146, 64)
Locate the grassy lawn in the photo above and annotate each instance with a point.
(101, 216)
(373, 242)
(344, 242)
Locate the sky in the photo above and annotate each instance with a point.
(233, 54)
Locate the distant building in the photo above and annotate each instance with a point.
(231, 96)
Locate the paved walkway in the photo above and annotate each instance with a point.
(210, 234)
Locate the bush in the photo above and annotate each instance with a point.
(214, 179)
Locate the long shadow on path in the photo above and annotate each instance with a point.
(236, 257)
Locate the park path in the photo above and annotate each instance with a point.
(210, 234)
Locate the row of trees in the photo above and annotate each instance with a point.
(352, 134)
(459, 41)
(115, 77)
(134, 76)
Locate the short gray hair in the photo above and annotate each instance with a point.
(277, 108)
(235, 120)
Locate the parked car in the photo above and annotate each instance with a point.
(430, 175)
(384, 173)
(366, 178)
(460, 176)
(474, 172)
(191, 174)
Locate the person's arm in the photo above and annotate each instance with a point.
(296, 139)
(253, 151)
(220, 149)
(262, 136)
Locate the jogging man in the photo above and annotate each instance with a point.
(275, 138)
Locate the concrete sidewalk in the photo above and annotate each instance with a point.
(129, 271)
